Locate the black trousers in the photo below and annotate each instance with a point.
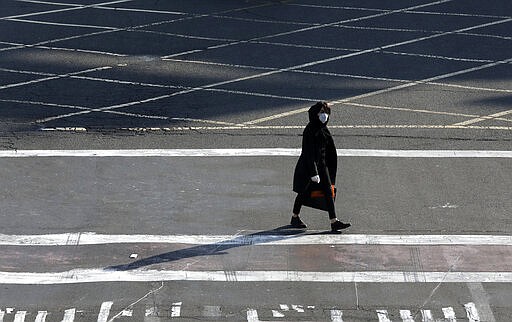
(299, 201)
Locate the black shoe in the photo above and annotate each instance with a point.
(338, 225)
(297, 223)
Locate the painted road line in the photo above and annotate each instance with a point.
(426, 316)
(20, 316)
(472, 312)
(406, 316)
(176, 309)
(69, 315)
(104, 311)
(449, 314)
(90, 238)
(76, 276)
(383, 316)
(260, 152)
(336, 316)
(41, 316)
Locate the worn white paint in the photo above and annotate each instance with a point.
(41, 316)
(104, 311)
(336, 316)
(101, 275)
(426, 316)
(90, 238)
(406, 316)
(176, 309)
(20, 316)
(383, 316)
(472, 312)
(277, 314)
(449, 314)
(69, 315)
(252, 316)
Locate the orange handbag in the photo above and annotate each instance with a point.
(316, 198)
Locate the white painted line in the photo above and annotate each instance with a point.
(61, 24)
(176, 309)
(90, 238)
(252, 316)
(300, 127)
(484, 118)
(449, 314)
(54, 77)
(104, 311)
(150, 311)
(298, 308)
(69, 315)
(284, 307)
(2, 314)
(76, 276)
(426, 316)
(259, 152)
(336, 316)
(277, 314)
(75, 7)
(383, 316)
(406, 316)
(127, 312)
(288, 68)
(20, 316)
(472, 312)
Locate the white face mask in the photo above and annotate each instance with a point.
(323, 117)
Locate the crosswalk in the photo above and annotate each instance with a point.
(281, 312)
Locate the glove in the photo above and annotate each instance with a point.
(316, 179)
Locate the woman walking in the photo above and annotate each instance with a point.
(316, 166)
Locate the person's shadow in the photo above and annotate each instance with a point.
(276, 234)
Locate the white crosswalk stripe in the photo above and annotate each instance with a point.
(41, 316)
(69, 315)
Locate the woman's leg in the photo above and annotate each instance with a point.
(295, 221)
(298, 203)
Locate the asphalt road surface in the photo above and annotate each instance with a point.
(148, 147)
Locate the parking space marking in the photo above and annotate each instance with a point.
(75, 7)
(382, 91)
(91, 70)
(189, 17)
(484, 118)
(279, 70)
(319, 26)
(109, 109)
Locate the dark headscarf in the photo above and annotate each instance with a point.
(318, 127)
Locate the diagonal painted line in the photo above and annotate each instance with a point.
(281, 71)
(75, 7)
(315, 27)
(55, 77)
(484, 118)
(386, 90)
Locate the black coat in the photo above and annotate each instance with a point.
(318, 156)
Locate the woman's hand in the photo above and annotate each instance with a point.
(316, 179)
